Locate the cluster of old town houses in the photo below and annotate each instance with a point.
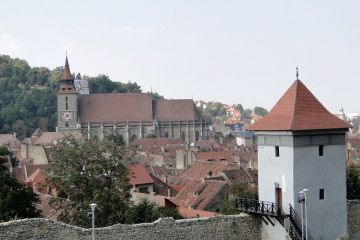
(191, 163)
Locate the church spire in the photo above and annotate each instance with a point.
(66, 75)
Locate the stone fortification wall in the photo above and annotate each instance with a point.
(225, 227)
(354, 219)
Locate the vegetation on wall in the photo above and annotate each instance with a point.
(353, 183)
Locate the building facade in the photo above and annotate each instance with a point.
(127, 115)
(302, 146)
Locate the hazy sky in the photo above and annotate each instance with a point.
(230, 51)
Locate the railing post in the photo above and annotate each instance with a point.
(262, 206)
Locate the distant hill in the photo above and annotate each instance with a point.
(28, 95)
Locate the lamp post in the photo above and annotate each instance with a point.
(93, 205)
(306, 222)
(301, 201)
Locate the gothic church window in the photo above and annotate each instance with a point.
(183, 136)
(166, 135)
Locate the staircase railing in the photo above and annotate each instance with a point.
(295, 226)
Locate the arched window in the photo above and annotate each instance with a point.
(66, 124)
(166, 134)
(66, 103)
(183, 136)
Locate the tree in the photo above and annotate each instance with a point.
(260, 111)
(247, 113)
(239, 107)
(84, 172)
(146, 211)
(353, 183)
(16, 200)
(228, 207)
(243, 190)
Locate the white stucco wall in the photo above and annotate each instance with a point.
(276, 170)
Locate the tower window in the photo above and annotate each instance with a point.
(277, 151)
(321, 194)
(321, 150)
(66, 103)
(66, 124)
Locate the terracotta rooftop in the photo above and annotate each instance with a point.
(162, 142)
(10, 140)
(66, 74)
(175, 110)
(298, 110)
(198, 193)
(214, 156)
(115, 107)
(50, 138)
(195, 213)
(139, 175)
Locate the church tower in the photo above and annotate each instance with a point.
(67, 101)
(301, 145)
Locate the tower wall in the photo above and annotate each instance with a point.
(72, 109)
(327, 218)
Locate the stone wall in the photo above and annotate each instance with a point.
(353, 219)
(238, 227)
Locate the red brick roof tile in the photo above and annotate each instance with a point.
(139, 175)
(298, 110)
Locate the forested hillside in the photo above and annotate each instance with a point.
(28, 95)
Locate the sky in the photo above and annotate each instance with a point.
(232, 51)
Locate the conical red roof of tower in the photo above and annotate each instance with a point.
(298, 110)
(66, 75)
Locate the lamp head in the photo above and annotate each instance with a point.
(305, 190)
(93, 205)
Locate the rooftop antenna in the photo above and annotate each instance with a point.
(297, 73)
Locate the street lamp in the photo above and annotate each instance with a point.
(301, 201)
(306, 222)
(93, 205)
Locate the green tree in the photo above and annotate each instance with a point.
(146, 211)
(260, 111)
(239, 107)
(353, 183)
(247, 113)
(228, 207)
(16, 200)
(84, 172)
(242, 190)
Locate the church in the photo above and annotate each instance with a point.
(128, 115)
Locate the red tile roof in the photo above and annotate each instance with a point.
(175, 110)
(115, 107)
(198, 193)
(201, 169)
(66, 74)
(298, 110)
(214, 156)
(139, 175)
(195, 213)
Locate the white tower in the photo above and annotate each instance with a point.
(301, 145)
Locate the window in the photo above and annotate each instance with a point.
(321, 150)
(66, 103)
(143, 190)
(66, 124)
(277, 151)
(321, 194)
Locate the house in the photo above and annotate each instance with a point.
(140, 179)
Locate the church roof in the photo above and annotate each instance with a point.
(115, 107)
(298, 110)
(66, 74)
(175, 110)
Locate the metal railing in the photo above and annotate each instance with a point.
(256, 206)
(295, 226)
